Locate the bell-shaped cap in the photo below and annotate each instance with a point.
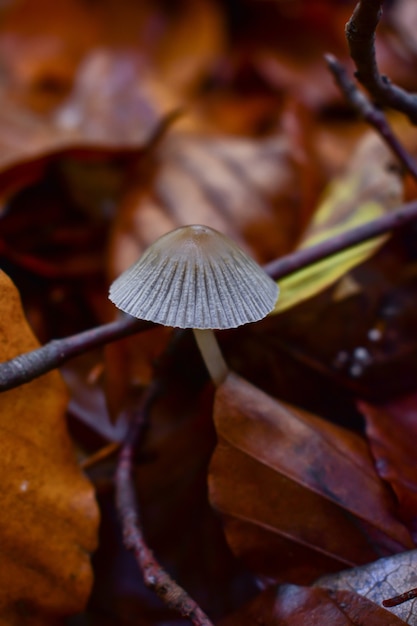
(195, 277)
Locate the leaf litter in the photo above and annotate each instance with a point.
(249, 156)
(282, 462)
(380, 581)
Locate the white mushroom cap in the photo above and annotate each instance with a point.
(195, 277)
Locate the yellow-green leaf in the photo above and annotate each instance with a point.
(371, 186)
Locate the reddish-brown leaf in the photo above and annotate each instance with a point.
(392, 432)
(249, 189)
(289, 605)
(379, 581)
(298, 495)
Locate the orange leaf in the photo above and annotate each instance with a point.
(299, 496)
(48, 524)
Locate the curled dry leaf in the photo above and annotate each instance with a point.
(49, 517)
(297, 494)
(392, 430)
(380, 581)
(289, 605)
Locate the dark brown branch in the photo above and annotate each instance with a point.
(173, 596)
(30, 365)
(360, 35)
(370, 113)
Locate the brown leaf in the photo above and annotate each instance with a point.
(392, 430)
(248, 189)
(287, 45)
(49, 517)
(115, 101)
(298, 495)
(115, 106)
(99, 91)
(28, 142)
(380, 581)
(40, 55)
(289, 605)
(130, 367)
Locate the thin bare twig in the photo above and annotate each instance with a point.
(307, 256)
(102, 454)
(360, 35)
(30, 365)
(155, 577)
(370, 113)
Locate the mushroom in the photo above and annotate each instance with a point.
(195, 277)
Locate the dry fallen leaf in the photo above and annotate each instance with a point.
(287, 43)
(116, 101)
(297, 494)
(99, 90)
(248, 189)
(48, 525)
(392, 429)
(39, 54)
(115, 106)
(289, 605)
(370, 187)
(380, 581)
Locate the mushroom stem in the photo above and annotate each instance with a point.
(212, 356)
